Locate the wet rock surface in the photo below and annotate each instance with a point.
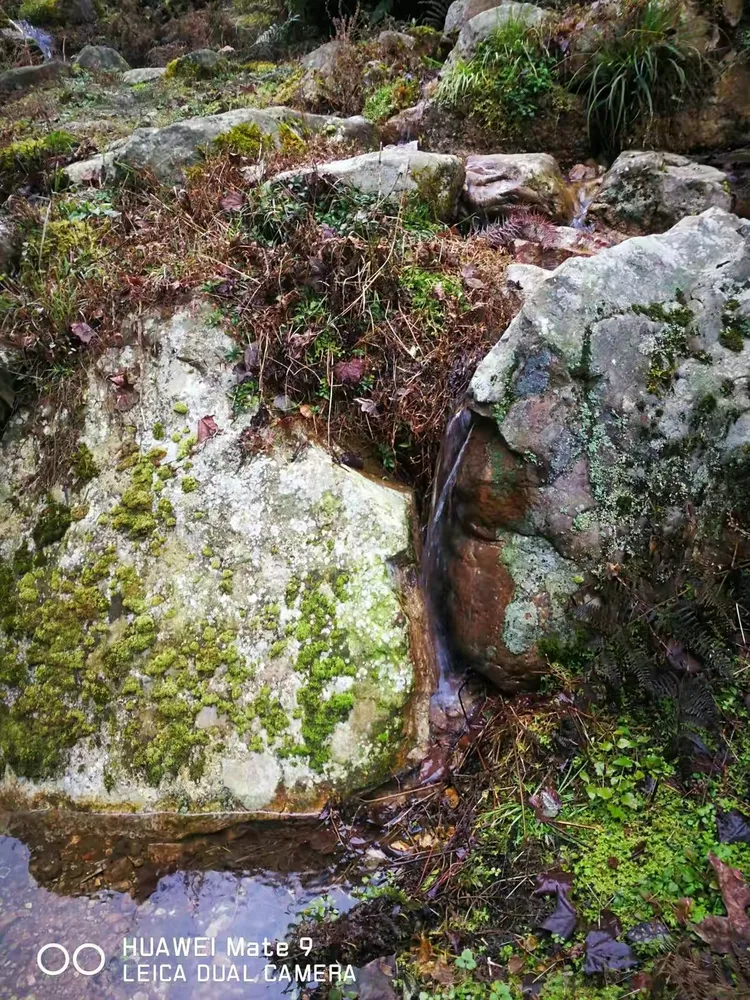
(182, 573)
(616, 392)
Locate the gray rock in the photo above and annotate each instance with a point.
(201, 62)
(525, 278)
(482, 25)
(146, 74)
(375, 980)
(228, 574)
(651, 191)
(394, 171)
(101, 58)
(319, 66)
(166, 152)
(394, 43)
(496, 182)
(10, 244)
(566, 395)
(462, 11)
(28, 77)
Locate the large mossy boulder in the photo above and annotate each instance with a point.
(436, 178)
(615, 404)
(647, 192)
(167, 152)
(201, 611)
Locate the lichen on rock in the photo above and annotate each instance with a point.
(186, 625)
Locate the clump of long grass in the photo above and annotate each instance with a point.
(644, 71)
(503, 82)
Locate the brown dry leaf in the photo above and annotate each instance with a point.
(426, 840)
(232, 201)
(451, 798)
(516, 965)
(401, 846)
(722, 933)
(306, 411)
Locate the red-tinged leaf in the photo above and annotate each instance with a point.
(232, 201)
(722, 933)
(642, 982)
(207, 428)
(350, 372)
(83, 332)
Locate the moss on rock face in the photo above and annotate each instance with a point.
(179, 629)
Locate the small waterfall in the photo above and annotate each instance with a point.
(434, 561)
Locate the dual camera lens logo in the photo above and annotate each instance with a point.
(53, 959)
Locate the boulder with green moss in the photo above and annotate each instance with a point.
(199, 612)
(614, 405)
(650, 191)
(395, 171)
(201, 64)
(167, 152)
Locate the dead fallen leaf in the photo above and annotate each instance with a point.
(207, 428)
(232, 201)
(722, 934)
(451, 798)
(83, 332)
(350, 372)
(516, 965)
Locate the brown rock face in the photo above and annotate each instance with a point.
(489, 500)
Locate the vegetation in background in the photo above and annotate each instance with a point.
(501, 86)
(644, 71)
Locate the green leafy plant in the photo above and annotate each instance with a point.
(391, 98)
(502, 84)
(644, 71)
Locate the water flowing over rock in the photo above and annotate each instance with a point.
(616, 399)
(101, 58)
(397, 170)
(204, 611)
(499, 181)
(167, 152)
(649, 191)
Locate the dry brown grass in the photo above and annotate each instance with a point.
(410, 367)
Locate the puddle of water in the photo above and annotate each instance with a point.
(224, 907)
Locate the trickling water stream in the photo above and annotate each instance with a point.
(434, 566)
